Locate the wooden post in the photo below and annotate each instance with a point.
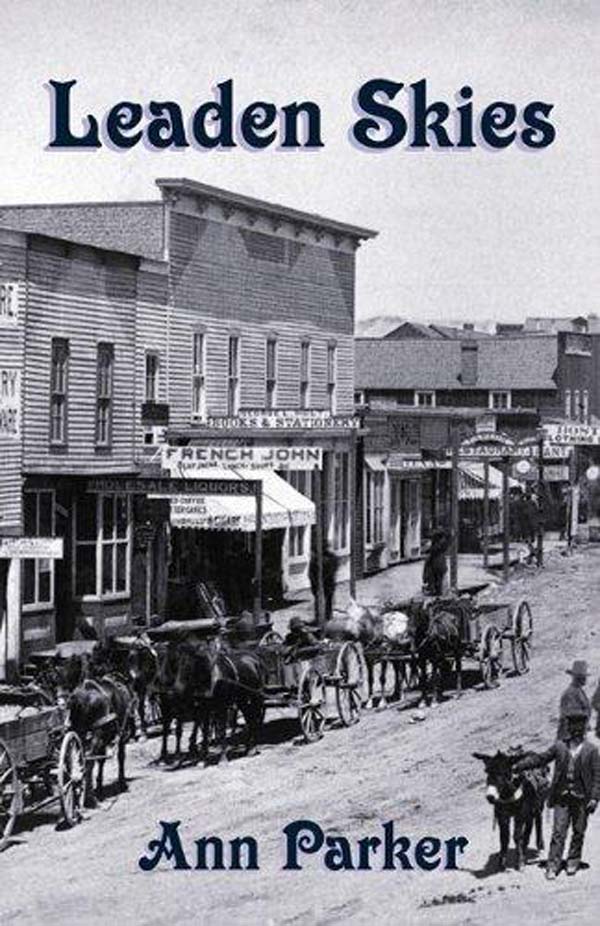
(573, 495)
(352, 497)
(540, 518)
(148, 582)
(12, 620)
(3, 617)
(258, 498)
(318, 498)
(486, 513)
(505, 519)
(454, 519)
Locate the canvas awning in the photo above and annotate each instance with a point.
(471, 481)
(282, 505)
(375, 463)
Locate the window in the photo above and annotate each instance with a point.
(499, 400)
(102, 546)
(59, 376)
(271, 373)
(233, 376)
(152, 375)
(104, 394)
(374, 487)
(567, 403)
(198, 375)
(331, 377)
(341, 494)
(576, 405)
(585, 407)
(38, 574)
(297, 536)
(305, 374)
(425, 398)
(9, 303)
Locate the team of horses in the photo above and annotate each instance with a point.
(210, 682)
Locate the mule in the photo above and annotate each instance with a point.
(438, 644)
(219, 680)
(142, 668)
(518, 797)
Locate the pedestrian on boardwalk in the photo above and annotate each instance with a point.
(574, 791)
(436, 564)
(329, 573)
(574, 697)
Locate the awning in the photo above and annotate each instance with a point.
(283, 506)
(471, 481)
(375, 463)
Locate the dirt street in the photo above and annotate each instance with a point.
(419, 774)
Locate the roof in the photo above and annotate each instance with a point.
(468, 334)
(195, 188)
(503, 363)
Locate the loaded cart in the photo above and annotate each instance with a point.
(41, 762)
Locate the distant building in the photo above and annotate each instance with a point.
(410, 330)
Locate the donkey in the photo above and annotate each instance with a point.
(516, 796)
(219, 680)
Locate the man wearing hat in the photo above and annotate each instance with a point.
(574, 698)
(574, 791)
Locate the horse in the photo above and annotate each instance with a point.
(172, 706)
(142, 669)
(100, 712)
(438, 640)
(218, 680)
(516, 796)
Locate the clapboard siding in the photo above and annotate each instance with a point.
(85, 299)
(12, 270)
(228, 281)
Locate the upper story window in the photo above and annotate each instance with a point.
(38, 574)
(9, 303)
(500, 399)
(152, 375)
(425, 398)
(233, 376)
(585, 406)
(577, 405)
(567, 403)
(305, 374)
(59, 383)
(271, 373)
(332, 377)
(199, 374)
(105, 359)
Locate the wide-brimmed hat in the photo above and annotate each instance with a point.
(579, 667)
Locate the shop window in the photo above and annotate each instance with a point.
(425, 398)
(298, 536)
(341, 494)
(233, 376)
(500, 400)
(332, 378)
(102, 546)
(59, 380)
(152, 376)
(374, 489)
(199, 375)
(38, 574)
(305, 374)
(271, 373)
(104, 394)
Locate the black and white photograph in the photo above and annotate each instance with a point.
(299, 462)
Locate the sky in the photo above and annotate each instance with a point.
(474, 235)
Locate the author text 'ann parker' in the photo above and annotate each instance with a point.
(386, 117)
(301, 839)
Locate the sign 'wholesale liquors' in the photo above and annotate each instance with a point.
(283, 419)
(186, 461)
(10, 403)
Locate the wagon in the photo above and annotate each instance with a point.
(41, 762)
(300, 679)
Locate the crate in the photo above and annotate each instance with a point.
(29, 733)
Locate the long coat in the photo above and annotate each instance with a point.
(573, 700)
(587, 768)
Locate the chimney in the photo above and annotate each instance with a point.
(468, 363)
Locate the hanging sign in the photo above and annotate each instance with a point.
(187, 461)
(282, 418)
(10, 403)
(165, 487)
(572, 433)
(31, 548)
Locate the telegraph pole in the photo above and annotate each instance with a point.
(454, 519)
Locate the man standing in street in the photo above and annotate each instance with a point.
(574, 792)
(329, 572)
(574, 698)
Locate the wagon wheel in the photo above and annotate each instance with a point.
(350, 683)
(71, 778)
(522, 632)
(270, 637)
(311, 701)
(9, 794)
(491, 656)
